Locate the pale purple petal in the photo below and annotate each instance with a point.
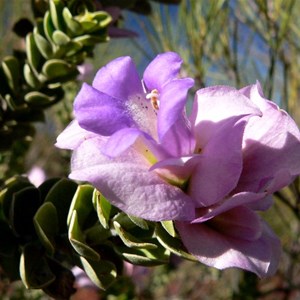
(128, 184)
(100, 113)
(215, 104)
(221, 102)
(161, 70)
(179, 141)
(73, 136)
(255, 94)
(173, 164)
(281, 179)
(119, 79)
(173, 98)
(220, 164)
(121, 141)
(239, 222)
(176, 171)
(218, 250)
(271, 146)
(251, 200)
(262, 204)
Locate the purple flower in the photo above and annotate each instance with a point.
(123, 126)
(209, 172)
(243, 160)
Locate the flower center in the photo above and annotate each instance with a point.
(154, 98)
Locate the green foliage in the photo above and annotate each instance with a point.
(34, 240)
(47, 230)
(60, 41)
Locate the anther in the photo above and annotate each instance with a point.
(154, 98)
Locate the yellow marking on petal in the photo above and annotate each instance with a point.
(172, 179)
(143, 149)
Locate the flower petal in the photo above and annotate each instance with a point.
(121, 141)
(179, 140)
(218, 250)
(128, 184)
(161, 70)
(220, 162)
(73, 136)
(242, 199)
(173, 98)
(263, 204)
(99, 112)
(113, 79)
(239, 222)
(176, 171)
(215, 104)
(271, 147)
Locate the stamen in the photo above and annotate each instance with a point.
(154, 98)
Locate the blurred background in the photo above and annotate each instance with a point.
(232, 43)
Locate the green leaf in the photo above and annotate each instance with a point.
(46, 226)
(11, 69)
(92, 21)
(172, 244)
(11, 186)
(48, 26)
(72, 24)
(103, 18)
(30, 77)
(139, 222)
(77, 58)
(55, 91)
(60, 38)
(97, 234)
(72, 48)
(88, 25)
(39, 27)
(14, 104)
(131, 241)
(56, 8)
(169, 227)
(33, 55)
(43, 45)
(61, 195)
(82, 203)
(46, 186)
(102, 273)
(103, 208)
(56, 68)
(34, 269)
(143, 257)
(24, 205)
(90, 40)
(77, 239)
(124, 221)
(36, 98)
